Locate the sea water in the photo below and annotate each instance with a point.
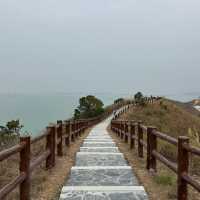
(36, 111)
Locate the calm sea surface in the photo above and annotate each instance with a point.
(37, 111)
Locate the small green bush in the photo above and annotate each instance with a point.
(164, 180)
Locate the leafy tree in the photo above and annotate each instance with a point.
(140, 99)
(138, 96)
(89, 106)
(14, 126)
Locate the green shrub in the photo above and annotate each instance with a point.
(164, 180)
(89, 107)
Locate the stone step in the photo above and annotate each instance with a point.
(102, 132)
(98, 144)
(100, 149)
(103, 193)
(98, 140)
(98, 137)
(102, 176)
(100, 159)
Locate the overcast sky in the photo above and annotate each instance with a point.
(99, 46)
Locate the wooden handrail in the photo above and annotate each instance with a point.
(54, 134)
(12, 150)
(191, 181)
(12, 185)
(183, 149)
(165, 161)
(165, 137)
(37, 161)
(192, 150)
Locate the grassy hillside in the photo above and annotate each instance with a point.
(174, 119)
(169, 118)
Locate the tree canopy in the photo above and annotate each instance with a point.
(12, 126)
(89, 106)
(140, 99)
(119, 100)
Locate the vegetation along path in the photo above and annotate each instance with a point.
(101, 172)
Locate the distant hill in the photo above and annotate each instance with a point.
(196, 102)
(189, 106)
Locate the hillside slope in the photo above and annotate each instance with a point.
(169, 117)
(172, 119)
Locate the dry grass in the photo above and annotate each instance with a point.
(46, 184)
(168, 117)
(171, 119)
(160, 186)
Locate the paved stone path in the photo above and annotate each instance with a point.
(101, 172)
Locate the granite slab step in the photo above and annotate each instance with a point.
(98, 144)
(100, 133)
(98, 137)
(103, 193)
(102, 176)
(98, 140)
(100, 159)
(100, 149)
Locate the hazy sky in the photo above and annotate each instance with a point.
(99, 46)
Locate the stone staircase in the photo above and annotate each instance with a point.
(101, 172)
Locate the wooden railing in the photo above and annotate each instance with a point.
(56, 136)
(147, 138)
(67, 131)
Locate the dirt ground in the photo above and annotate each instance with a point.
(51, 188)
(45, 184)
(156, 190)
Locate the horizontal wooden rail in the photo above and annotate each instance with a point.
(165, 137)
(9, 152)
(37, 161)
(192, 150)
(165, 161)
(191, 181)
(12, 185)
(181, 168)
(55, 135)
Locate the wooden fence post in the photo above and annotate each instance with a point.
(67, 133)
(151, 146)
(25, 155)
(121, 129)
(50, 161)
(79, 127)
(76, 128)
(183, 166)
(126, 131)
(118, 130)
(140, 137)
(72, 131)
(132, 133)
(60, 139)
